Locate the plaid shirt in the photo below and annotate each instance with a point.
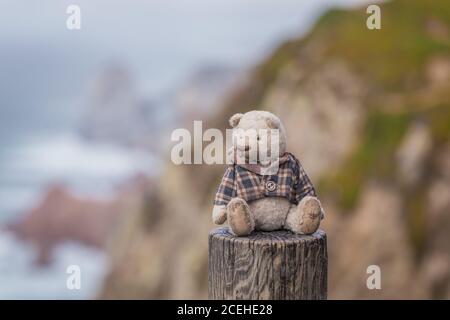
(290, 182)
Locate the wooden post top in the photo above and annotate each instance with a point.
(283, 236)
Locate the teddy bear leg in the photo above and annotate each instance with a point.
(305, 217)
(240, 218)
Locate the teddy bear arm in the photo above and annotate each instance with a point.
(219, 214)
(303, 185)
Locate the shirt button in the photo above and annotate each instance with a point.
(271, 186)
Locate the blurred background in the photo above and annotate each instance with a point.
(86, 116)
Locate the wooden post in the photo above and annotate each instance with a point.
(267, 265)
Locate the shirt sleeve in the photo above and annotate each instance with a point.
(226, 191)
(304, 186)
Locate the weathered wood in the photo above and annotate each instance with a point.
(267, 265)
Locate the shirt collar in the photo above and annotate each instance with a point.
(270, 169)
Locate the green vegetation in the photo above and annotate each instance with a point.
(374, 155)
(396, 53)
(438, 119)
(415, 213)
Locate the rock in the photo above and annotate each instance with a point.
(202, 93)
(117, 113)
(323, 108)
(374, 234)
(413, 152)
(438, 70)
(62, 216)
(437, 29)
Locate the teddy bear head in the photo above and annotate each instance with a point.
(257, 128)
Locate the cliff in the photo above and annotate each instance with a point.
(368, 114)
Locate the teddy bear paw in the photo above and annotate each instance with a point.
(305, 218)
(310, 215)
(240, 218)
(219, 214)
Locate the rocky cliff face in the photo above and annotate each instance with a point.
(368, 114)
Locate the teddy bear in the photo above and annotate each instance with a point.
(250, 197)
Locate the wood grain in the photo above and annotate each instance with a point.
(267, 265)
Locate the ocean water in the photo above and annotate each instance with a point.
(85, 168)
(46, 76)
(20, 278)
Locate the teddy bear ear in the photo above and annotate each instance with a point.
(234, 120)
(273, 123)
